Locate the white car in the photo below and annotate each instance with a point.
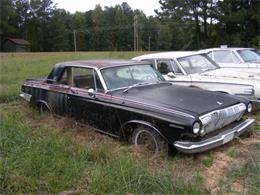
(194, 69)
(234, 57)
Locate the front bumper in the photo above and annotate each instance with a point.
(213, 142)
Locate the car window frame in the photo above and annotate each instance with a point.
(233, 54)
(94, 70)
(171, 63)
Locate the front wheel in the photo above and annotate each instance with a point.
(148, 139)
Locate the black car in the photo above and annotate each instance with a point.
(130, 99)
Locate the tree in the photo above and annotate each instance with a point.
(8, 23)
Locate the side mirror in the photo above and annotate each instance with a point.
(171, 75)
(91, 92)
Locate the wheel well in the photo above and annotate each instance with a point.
(44, 104)
(127, 129)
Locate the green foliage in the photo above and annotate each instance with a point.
(34, 160)
(249, 173)
(179, 25)
(39, 159)
(208, 161)
(124, 175)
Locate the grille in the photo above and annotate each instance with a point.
(220, 118)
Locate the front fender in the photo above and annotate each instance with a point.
(144, 123)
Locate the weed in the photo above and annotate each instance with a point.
(208, 161)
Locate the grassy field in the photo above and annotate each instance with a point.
(45, 154)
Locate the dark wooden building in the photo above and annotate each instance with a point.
(15, 45)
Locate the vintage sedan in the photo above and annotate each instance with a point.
(131, 100)
(233, 57)
(195, 69)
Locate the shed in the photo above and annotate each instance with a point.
(16, 45)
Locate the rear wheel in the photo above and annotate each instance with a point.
(43, 108)
(148, 139)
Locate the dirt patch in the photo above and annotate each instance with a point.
(212, 175)
(223, 163)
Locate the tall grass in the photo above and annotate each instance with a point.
(36, 160)
(39, 160)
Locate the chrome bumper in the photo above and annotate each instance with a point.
(213, 142)
(26, 96)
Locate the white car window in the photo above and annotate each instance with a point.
(164, 66)
(249, 55)
(225, 56)
(196, 64)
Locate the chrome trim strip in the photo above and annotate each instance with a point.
(213, 142)
(26, 96)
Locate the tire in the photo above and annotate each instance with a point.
(43, 108)
(149, 139)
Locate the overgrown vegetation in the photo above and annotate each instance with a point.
(40, 159)
(44, 154)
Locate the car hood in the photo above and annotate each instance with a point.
(175, 97)
(251, 74)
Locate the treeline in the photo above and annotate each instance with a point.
(178, 25)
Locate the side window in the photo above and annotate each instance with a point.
(176, 68)
(225, 57)
(83, 78)
(66, 77)
(164, 66)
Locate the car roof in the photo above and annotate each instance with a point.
(99, 64)
(170, 54)
(219, 49)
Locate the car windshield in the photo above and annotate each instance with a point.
(196, 64)
(249, 55)
(125, 76)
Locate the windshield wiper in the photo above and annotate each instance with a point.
(135, 85)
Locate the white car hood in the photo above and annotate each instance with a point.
(251, 74)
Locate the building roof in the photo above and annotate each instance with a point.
(99, 63)
(18, 41)
(171, 54)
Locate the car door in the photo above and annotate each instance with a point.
(57, 95)
(84, 102)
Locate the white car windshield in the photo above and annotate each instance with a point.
(249, 55)
(196, 64)
(125, 76)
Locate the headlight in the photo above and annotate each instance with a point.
(249, 107)
(196, 127)
(202, 132)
